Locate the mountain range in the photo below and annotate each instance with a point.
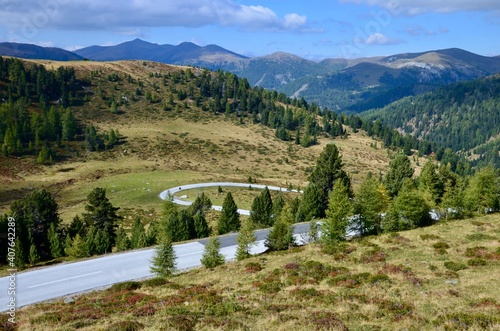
(349, 85)
(29, 51)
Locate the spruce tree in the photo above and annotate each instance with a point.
(267, 205)
(257, 214)
(399, 169)
(78, 248)
(102, 214)
(229, 219)
(175, 229)
(311, 205)
(200, 225)
(278, 205)
(20, 258)
(212, 257)
(431, 184)
(329, 169)
(246, 239)
(164, 259)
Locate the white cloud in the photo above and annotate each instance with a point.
(415, 7)
(378, 39)
(417, 30)
(130, 14)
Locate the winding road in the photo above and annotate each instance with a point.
(171, 191)
(67, 279)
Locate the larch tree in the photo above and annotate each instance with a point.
(339, 209)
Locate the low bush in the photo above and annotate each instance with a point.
(126, 286)
(455, 266)
(126, 326)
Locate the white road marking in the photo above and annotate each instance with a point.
(65, 279)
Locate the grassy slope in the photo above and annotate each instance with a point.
(390, 282)
(166, 149)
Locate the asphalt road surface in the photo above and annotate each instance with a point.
(69, 278)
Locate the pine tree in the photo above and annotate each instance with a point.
(246, 239)
(176, 229)
(212, 257)
(431, 184)
(102, 214)
(337, 216)
(122, 240)
(101, 242)
(202, 203)
(278, 205)
(399, 169)
(257, 214)
(267, 206)
(229, 219)
(328, 170)
(69, 126)
(200, 225)
(164, 259)
(311, 205)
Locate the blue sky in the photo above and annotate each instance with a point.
(312, 29)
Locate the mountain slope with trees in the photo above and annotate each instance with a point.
(463, 117)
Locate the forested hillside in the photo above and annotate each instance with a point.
(464, 117)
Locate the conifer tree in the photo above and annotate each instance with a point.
(33, 257)
(78, 248)
(399, 169)
(138, 238)
(431, 184)
(339, 209)
(311, 205)
(246, 239)
(328, 170)
(164, 259)
(20, 258)
(482, 196)
(200, 225)
(212, 257)
(278, 205)
(281, 235)
(407, 211)
(369, 204)
(102, 214)
(56, 247)
(122, 240)
(229, 219)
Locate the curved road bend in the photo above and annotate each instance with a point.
(163, 195)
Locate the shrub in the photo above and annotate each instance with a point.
(253, 267)
(479, 237)
(477, 262)
(155, 282)
(126, 326)
(455, 266)
(465, 321)
(126, 286)
(429, 237)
